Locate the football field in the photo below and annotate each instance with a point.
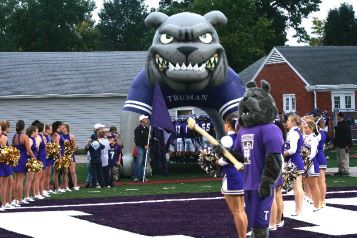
(171, 215)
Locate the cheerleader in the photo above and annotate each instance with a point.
(293, 144)
(312, 168)
(277, 208)
(321, 158)
(232, 185)
(6, 179)
(22, 142)
(49, 163)
(32, 133)
(70, 137)
(41, 156)
(57, 138)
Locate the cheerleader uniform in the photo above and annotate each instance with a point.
(232, 183)
(311, 142)
(5, 169)
(34, 147)
(294, 138)
(21, 167)
(68, 137)
(49, 162)
(42, 152)
(320, 156)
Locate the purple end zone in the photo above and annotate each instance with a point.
(202, 218)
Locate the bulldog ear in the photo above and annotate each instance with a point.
(216, 18)
(155, 19)
(251, 84)
(265, 86)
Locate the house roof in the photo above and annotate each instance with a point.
(248, 73)
(319, 65)
(68, 73)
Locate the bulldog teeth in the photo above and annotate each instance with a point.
(171, 67)
(189, 67)
(177, 66)
(195, 68)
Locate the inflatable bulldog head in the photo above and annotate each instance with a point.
(186, 53)
(258, 106)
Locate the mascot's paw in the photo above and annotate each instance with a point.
(218, 150)
(264, 189)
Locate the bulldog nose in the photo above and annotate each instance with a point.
(187, 50)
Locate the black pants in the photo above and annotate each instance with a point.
(97, 172)
(106, 175)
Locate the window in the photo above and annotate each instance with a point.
(184, 111)
(343, 100)
(289, 102)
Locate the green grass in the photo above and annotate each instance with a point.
(332, 161)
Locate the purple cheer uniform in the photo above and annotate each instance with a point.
(5, 169)
(255, 143)
(293, 144)
(320, 156)
(21, 166)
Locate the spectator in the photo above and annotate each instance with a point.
(104, 156)
(141, 134)
(342, 143)
(94, 147)
(89, 179)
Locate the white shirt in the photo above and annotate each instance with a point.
(105, 152)
(313, 142)
(292, 137)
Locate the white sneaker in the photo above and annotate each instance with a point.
(60, 190)
(249, 233)
(280, 224)
(272, 228)
(2, 208)
(46, 195)
(24, 201)
(15, 203)
(68, 189)
(39, 196)
(30, 199)
(44, 192)
(52, 192)
(76, 188)
(9, 206)
(98, 186)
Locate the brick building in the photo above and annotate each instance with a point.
(304, 78)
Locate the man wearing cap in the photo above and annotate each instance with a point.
(141, 134)
(342, 143)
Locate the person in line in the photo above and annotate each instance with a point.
(104, 156)
(232, 184)
(67, 136)
(49, 162)
(32, 133)
(141, 135)
(22, 142)
(321, 157)
(94, 147)
(342, 143)
(293, 144)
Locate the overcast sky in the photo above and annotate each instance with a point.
(325, 6)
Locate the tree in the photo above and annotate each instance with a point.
(317, 34)
(121, 25)
(341, 26)
(7, 8)
(49, 25)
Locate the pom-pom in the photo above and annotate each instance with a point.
(69, 147)
(66, 161)
(10, 155)
(57, 165)
(52, 150)
(305, 154)
(290, 174)
(34, 165)
(207, 160)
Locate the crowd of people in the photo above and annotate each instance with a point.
(304, 142)
(20, 183)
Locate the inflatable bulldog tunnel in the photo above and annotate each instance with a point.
(190, 64)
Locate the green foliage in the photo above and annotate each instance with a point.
(341, 26)
(49, 25)
(122, 26)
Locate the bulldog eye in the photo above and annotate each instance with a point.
(205, 38)
(166, 39)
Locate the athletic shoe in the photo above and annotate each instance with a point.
(295, 214)
(136, 180)
(15, 203)
(60, 190)
(52, 192)
(280, 224)
(316, 209)
(345, 173)
(30, 199)
(272, 228)
(249, 233)
(9, 206)
(44, 192)
(67, 189)
(24, 201)
(76, 188)
(39, 196)
(2, 208)
(46, 195)
(98, 186)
